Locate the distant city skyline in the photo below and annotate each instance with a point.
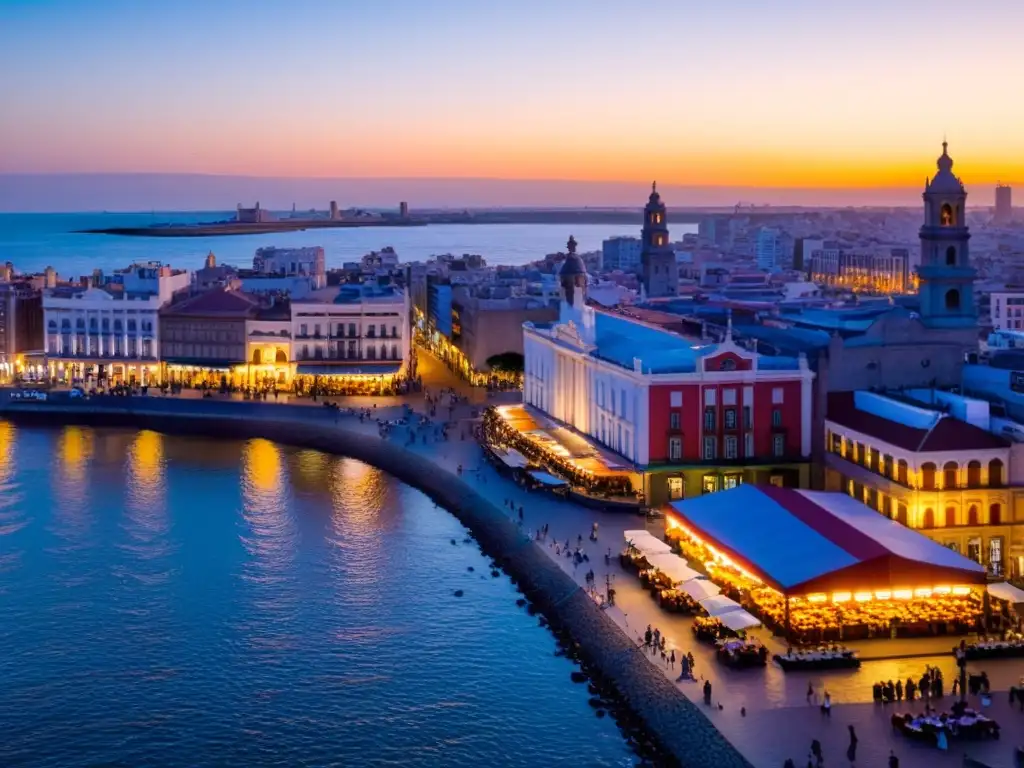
(746, 95)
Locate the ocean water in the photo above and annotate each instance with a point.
(170, 601)
(34, 241)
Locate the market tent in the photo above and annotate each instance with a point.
(548, 479)
(674, 567)
(737, 620)
(700, 589)
(719, 604)
(1007, 592)
(803, 542)
(513, 458)
(652, 546)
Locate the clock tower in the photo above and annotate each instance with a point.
(660, 272)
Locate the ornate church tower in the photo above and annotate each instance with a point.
(945, 273)
(660, 272)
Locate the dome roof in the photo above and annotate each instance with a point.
(944, 180)
(572, 266)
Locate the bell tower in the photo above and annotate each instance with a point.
(945, 274)
(660, 272)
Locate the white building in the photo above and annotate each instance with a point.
(349, 326)
(768, 248)
(291, 262)
(1007, 310)
(109, 332)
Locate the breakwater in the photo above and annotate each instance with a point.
(682, 734)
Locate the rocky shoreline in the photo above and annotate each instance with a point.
(661, 724)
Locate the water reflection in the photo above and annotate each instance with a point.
(70, 482)
(270, 533)
(357, 534)
(13, 514)
(145, 523)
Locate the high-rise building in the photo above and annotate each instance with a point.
(945, 274)
(1004, 204)
(658, 259)
(767, 248)
(621, 253)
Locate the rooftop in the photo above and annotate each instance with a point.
(354, 293)
(227, 304)
(913, 427)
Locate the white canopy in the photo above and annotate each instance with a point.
(647, 543)
(701, 589)
(674, 567)
(513, 458)
(718, 605)
(737, 620)
(637, 534)
(1005, 591)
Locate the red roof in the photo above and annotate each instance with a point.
(947, 435)
(216, 303)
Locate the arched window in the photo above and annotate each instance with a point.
(65, 324)
(728, 365)
(131, 326)
(901, 471)
(950, 470)
(383, 351)
(946, 217)
(974, 474)
(394, 351)
(901, 514)
(995, 473)
(929, 519)
(928, 476)
(951, 256)
(950, 520)
(281, 356)
(105, 325)
(52, 325)
(952, 299)
(80, 324)
(93, 325)
(257, 356)
(995, 514)
(972, 515)
(887, 466)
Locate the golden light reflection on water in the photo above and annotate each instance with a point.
(8, 435)
(358, 530)
(270, 534)
(146, 510)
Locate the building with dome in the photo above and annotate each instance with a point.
(681, 416)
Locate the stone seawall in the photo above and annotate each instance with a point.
(675, 723)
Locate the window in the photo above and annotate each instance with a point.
(352, 329)
(394, 331)
(730, 447)
(383, 331)
(728, 364)
(709, 484)
(710, 397)
(675, 399)
(995, 514)
(949, 475)
(728, 397)
(887, 506)
(928, 476)
(952, 299)
(731, 481)
(710, 448)
(777, 396)
(929, 519)
(901, 471)
(901, 514)
(972, 515)
(303, 330)
(675, 448)
(674, 420)
(316, 330)
(709, 419)
(946, 215)
(778, 445)
(974, 474)
(394, 352)
(748, 445)
(951, 256)
(675, 488)
(950, 517)
(974, 549)
(777, 480)
(995, 556)
(622, 404)
(730, 418)
(995, 473)
(776, 418)
(748, 417)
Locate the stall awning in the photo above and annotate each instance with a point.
(363, 369)
(674, 567)
(804, 542)
(546, 479)
(718, 605)
(738, 620)
(512, 458)
(202, 363)
(1007, 592)
(700, 589)
(646, 543)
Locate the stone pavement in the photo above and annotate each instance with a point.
(777, 723)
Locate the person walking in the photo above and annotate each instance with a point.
(894, 762)
(851, 751)
(810, 692)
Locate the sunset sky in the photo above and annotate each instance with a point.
(801, 93)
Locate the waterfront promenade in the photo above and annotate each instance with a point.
(775, 723)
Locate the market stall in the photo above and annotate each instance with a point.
(821, 567)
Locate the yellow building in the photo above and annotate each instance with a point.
(916, 463)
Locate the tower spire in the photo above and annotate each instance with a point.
(654, 187)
